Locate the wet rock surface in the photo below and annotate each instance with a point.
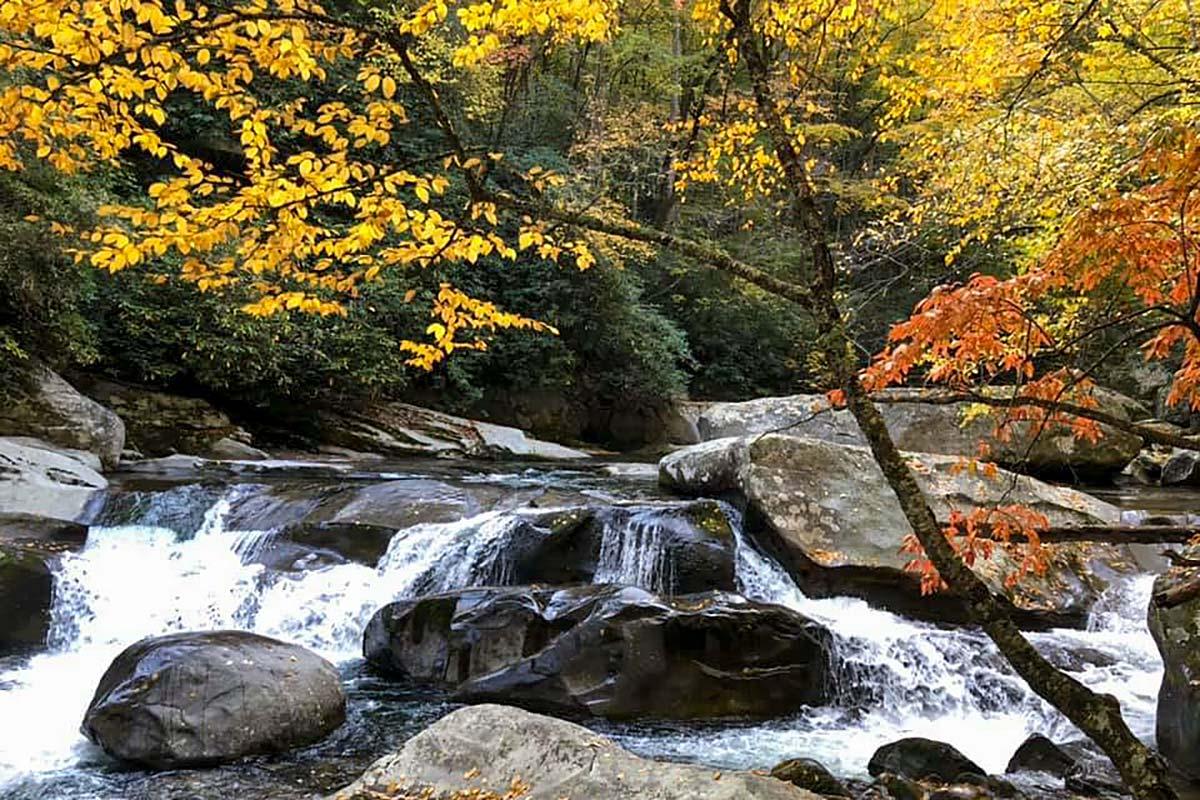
(606, 651)
(199, 699)
(26, 592)
(1176, 631)
(811, 775)
(827, 512)
(917, 758)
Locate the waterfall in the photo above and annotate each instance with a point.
(164, 567)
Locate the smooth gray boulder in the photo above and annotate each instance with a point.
(826, 511)
(948, 429)
(606, 651)
(206, 698)
(41, 481)
(43, 405)
(486, 748)
(402, 429)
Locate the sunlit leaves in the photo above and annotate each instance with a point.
(316, 208)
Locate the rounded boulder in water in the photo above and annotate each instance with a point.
(920, 759)
(205, 698)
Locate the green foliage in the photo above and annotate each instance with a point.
(43, 293)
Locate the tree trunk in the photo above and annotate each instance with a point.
(1098, 716)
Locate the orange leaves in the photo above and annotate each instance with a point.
(978, 534)
(1141, 245)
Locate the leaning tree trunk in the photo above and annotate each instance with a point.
(1098, 716)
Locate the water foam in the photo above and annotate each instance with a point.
(899, 678)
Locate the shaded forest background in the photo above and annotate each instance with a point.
(637, 332)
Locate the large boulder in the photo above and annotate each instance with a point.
(38, 480)
(826, 511)
(481, 749)
(198, 699)
(606, 651)
(404, 430)
(43, 405)
(949, 429)
(162, 424)
(1176, 631)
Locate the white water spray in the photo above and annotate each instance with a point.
(907, 678)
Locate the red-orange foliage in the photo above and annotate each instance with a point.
(1139, 244)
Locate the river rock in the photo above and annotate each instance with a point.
(955, 429)
(26, 592)
(485, 748)
(162, 424)
(1176, 631)
(354, 519)
(199, 699)
(45, 406)
(606, 651)
(236, 450)
(404, 430)
(811, 775)
(826, 511)
(1182, 468)
(1039, 754)
(40, 481)
(676, 548)
(920, 759)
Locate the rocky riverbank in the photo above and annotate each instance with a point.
(742, 605)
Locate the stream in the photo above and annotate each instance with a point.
(169, 558)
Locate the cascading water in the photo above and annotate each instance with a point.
(897, 677)
(903, 678)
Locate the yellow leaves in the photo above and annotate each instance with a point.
(309, 220)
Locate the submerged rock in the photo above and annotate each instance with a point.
(199, 699)
(834, 522)
(486, 748)
(43, 405)
(606, 651)
(949, 429)
(918, 759)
